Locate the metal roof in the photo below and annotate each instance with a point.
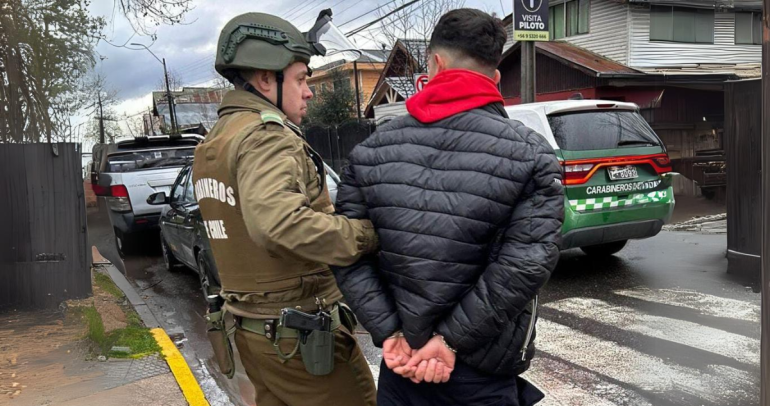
(402, 85)
(190, 114)
(585, 58)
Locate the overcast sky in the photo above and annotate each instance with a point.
(189, 49)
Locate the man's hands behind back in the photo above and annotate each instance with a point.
(432, 363)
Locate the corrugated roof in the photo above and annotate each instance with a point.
(580, 57)
(402, 85)
(728, 4)
(585, 58)
(740, 71)
(190, 114)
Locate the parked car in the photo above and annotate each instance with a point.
(129, 171)
(183, 236)
(617, 173)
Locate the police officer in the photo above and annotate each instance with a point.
(269, 217)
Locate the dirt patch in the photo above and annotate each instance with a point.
(113, 316)
(35, 347)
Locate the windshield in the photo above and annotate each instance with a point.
(592, 130)
(149, 159)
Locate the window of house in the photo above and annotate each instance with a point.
(569, 18)
(682, 24)
(748, 28)
(312, 89)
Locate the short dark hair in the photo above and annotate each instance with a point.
(471, 32)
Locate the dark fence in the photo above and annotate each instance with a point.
(44, 257)
(334, 143)
(743, 136)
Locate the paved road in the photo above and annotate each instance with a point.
(660, 324)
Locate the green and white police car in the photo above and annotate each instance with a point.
(617, 174)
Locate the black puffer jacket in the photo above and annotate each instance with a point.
(469, 211)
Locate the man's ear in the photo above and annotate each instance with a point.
(262, 80)
(440, 61)
(497, 77)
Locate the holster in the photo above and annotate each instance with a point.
(219, 336)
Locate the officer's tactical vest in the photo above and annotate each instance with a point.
(246, 268)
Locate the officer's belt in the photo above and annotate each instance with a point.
(257, 326)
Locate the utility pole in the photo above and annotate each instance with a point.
(528, 83)
(764, 357)
(171, 108)
(530, 24)
(101, 120)
(170, 98)
(358, 94)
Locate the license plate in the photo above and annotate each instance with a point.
(623, 172)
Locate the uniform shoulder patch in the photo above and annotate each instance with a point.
(270, 117)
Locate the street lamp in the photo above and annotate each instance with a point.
(171, 107)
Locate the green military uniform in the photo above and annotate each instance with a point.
(272, 232)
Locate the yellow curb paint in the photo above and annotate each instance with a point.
(184, 377)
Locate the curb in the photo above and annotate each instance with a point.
(182, 373)
(176, 362)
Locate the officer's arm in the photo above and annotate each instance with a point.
(360, 283)
(529, 253)
(276, 207)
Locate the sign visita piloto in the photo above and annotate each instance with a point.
(530, 20)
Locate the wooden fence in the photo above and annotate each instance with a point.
(44, 256)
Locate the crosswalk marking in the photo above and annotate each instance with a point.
(716, 385)
(737, 347)
(706, 304)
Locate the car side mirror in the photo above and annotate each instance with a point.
(157, 199)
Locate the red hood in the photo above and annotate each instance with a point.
(451, 92)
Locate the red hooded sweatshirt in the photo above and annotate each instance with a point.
(451, 92)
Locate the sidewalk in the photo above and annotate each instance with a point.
(46, 359)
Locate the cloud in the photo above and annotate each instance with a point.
(189, 49)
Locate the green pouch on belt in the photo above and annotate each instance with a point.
(219, 337)
(348, 318)
(317, 349)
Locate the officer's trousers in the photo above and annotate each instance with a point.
(466, 387)
(287, 383)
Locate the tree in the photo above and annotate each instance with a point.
(175, 81)
(335, 103)
(413, 25)
(144, 15)
(45, 49)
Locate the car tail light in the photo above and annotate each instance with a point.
(663, 161)
(118, 191)
(606, 105)
(119, 200)
(576, 172)
(100, 190)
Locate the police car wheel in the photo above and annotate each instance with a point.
(170, 262)
(604, 250)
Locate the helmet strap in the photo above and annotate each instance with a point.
(279, 80)
(238, 81)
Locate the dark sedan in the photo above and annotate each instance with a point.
(182, 236)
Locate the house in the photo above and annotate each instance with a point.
(672, 58)
(366, 70)
(408, 58)
(195, 110)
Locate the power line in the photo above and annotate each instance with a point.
(362, 15)
(332, 7)
(295, 8)
(309, 9)
(365, 26)
(294, 14)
